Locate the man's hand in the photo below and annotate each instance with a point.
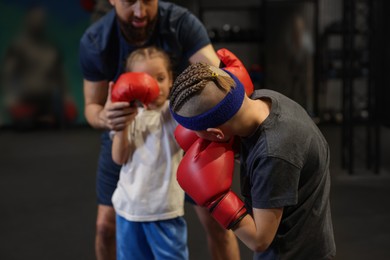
(116, 115)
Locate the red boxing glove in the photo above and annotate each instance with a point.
(235, 66)
(205, 174)
(185, 137)
(132, 86)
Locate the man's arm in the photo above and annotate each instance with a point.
(207, 54)
(258, 232)
(99, 111)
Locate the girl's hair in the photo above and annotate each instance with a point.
(192, 81)
(147, 53)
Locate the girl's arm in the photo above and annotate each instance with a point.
(121, 143)
(120, 146)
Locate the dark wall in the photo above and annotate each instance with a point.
(66, 21)
(381, 58)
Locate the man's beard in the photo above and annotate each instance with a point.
(137, 36)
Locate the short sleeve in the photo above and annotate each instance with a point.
(192, 34)
(91, 65)
(274, 183)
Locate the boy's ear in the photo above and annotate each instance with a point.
(216, 132)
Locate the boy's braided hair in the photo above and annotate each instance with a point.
(192, 81)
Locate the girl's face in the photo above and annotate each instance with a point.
(157, 68)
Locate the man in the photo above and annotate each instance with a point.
(103, 49)
(284, 166)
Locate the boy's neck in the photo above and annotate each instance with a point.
(253, 114)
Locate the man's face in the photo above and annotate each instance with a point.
(137, 19)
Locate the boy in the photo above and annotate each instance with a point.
(284, 167)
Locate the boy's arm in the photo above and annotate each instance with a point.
(259, 231)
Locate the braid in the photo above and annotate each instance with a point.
(188, 83)
(192, 81)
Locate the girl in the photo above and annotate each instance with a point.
(148, 201)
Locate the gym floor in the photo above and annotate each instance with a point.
(47, 199)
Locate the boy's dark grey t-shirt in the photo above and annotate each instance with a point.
(285, 163)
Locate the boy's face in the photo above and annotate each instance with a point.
(157, 68)
(137, 18)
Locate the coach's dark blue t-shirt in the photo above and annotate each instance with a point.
(103, 49)
(285, 163)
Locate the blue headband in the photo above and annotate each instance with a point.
(217, 115)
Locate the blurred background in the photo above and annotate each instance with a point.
(331, 56)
